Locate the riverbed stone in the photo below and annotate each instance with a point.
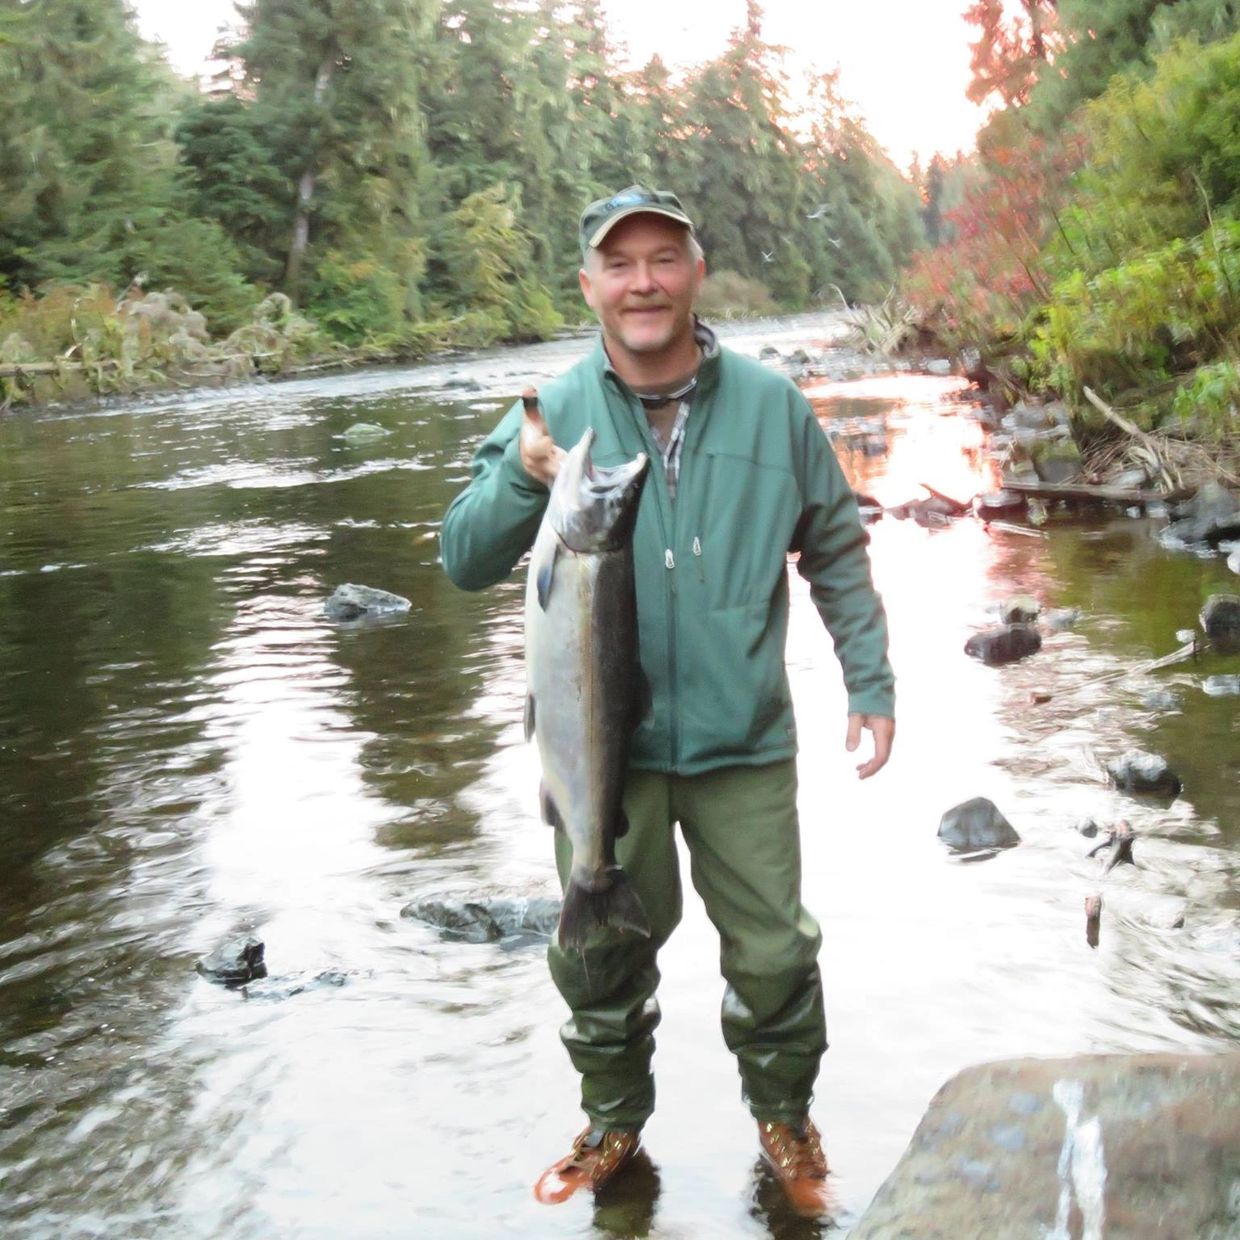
(1005, 644)
(364, 432)
(487, 918)
(235, 962)
(354, 602)
(1233, 561)
(1140, 772)
(1220, 618)
(1210, 516)
(1130, 1147)
(1055, 460)
(1058, 619)
(975, 825)
(1019, 609)
(999, 506)
(1222, 685)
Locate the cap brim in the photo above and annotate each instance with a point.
(643, 208)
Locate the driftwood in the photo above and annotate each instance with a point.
(1147, 447)
(1119, 843)
(1087, 493)
(957, 505)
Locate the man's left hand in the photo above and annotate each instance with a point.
(883, 730)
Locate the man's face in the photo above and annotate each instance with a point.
(642, 282)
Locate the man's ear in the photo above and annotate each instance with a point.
(583, 278)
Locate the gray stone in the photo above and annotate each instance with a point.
(1220, 618)
(488, 919)
(1233, 561)
(1160, 699)
(1056, 460)
(976, 825)
(361, 432)
(1210, 517)
(1144, 772)
(234, 963)
(1086, 827)
(999, 506)
(353, 602)
(1019, 609)
(1004, 645)
(1222, 686)
(1130, 1147)
(1060, 618)
(938, 366)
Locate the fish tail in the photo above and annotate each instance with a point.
(618, 906)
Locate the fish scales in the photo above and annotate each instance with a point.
(585, 683)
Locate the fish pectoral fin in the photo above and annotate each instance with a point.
(529, 715)
(546, 578)
(550, 811)
(622, 824)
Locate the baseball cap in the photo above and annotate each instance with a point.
(600, 217)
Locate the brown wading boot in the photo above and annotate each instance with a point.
(596, 1157)
(794, 1154)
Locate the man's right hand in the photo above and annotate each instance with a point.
(541, 456)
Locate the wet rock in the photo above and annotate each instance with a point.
(1026, 416)
(1114, 1145)
(938, 366)
(1085, 826)
(972, 366)
(353, 602)
(1160, 699)
(1003, 645)
(1060, 618)
(1019, 609)
(234, 963)
(769, 353)
(1221, 686)
(1220, 618)
(975, 825)
(1117, 847)
(462, 383)
(999, 506)
(1056, 460)
(488, 918)
(1233, 561)
(798, 357)
(1144, 773)
(274, 989)
(363, 432)
(1210, 516)
(1129, 479)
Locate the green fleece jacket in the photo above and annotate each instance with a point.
(758, 480)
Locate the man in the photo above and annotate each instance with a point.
(742, 475)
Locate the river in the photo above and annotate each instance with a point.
(189, 750)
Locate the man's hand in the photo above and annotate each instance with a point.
(541, 456)
(883, 731)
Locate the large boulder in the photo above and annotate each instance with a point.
(1005, 644)
(1127, 1147)
(234, 963)
(1211, 516)
(976, 825)
(1140, 772)
(1220, 618)
(487, 919)
(352, 602)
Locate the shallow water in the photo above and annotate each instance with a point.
(189, 749)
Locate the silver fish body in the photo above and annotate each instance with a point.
(585, 687)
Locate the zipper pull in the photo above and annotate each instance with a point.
(669, 560)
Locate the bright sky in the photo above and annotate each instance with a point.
(905, 63)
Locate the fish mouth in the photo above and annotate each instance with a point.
(596, 505)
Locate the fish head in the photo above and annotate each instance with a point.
(593, 507)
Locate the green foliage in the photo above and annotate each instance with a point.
(357, 299)
(1209, 400)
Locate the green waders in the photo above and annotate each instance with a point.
(740, 824)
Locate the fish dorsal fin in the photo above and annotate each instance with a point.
(529, 715)
(546, 577)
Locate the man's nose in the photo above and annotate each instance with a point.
(643, 277)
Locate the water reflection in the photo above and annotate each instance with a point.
(188, 749)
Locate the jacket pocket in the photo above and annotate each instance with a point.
(738, 535)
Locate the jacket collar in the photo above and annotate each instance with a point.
(708, 371)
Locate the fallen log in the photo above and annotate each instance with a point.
(1088, 493)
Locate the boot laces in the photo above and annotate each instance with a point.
(798, 1152)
